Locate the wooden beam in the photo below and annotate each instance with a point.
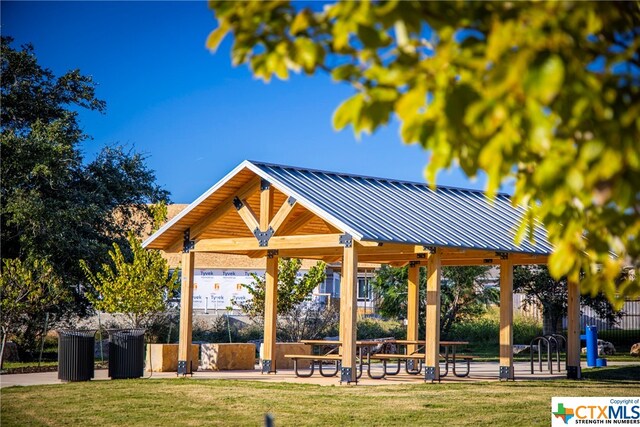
(266, 205)
(413, 306)
(247, 215)
(523, 259)
(393, 248)
(270, 316)
(389, 257)
(348, 306)
(470, 261)
(296, 224)
(398, 264)
(282, 214)
(432, 347)
(506, 319)
(573, 330)
(276, 242)
(186, 315)
(245, 191)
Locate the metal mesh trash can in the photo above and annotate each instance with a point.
(75, 354)
(126, 353)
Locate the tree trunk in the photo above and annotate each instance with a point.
(551, 322)
(4, 340)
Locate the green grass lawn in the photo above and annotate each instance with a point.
(243, 403)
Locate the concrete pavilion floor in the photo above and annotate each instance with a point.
(480, 371)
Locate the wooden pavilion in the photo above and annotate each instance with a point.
(270, 211)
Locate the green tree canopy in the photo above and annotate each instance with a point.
(55, 204)
(542, 290)
(463, 295)
(26, 290)
(138, 286)
(545, 95)
(292, 290)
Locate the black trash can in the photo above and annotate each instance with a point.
(75, 354)
(126, 353)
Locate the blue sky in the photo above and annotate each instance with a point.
(190, 111)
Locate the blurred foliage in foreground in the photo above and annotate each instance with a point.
(545, 95)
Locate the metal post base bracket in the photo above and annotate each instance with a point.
(266, 367)
(182, 367)
(346, 376)
(574, 373)
(506, 373)
(430, 374)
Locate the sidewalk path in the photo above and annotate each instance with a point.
(480, 371)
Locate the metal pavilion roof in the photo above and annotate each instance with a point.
(387, 210)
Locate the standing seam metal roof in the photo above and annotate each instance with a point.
(386, 210)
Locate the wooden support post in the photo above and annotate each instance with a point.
(266, 205)
(348, 312)
(506, 319)
(186, 315)
(270, 315)
(573, 330)
(413, 295)
(432, 347)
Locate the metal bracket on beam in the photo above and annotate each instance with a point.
(488, 260)
(346, 240)
(291, 201)
(345, 375)
(431, 249)
(430, 374)
(264, 185)
(574, 373)
(237, 203)
(421, 256)
(271, 253)
(506, 373)
(187, 243)
(263, 236)
(414, 263)
(182, 367)
(503, 255)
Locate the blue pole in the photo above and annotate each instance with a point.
(592, 345)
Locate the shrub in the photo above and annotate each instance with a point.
(486, 329)
(376, 328)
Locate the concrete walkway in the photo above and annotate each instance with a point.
(480, 371)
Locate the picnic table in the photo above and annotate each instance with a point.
(330, 353)
(450, 355)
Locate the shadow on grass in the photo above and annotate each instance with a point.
(619, 374)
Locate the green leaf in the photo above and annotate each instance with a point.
(344, 72)
(371, 37)
(306, 53)
(347, 112)
(216, 36)
(300, 22)
(544, 80)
